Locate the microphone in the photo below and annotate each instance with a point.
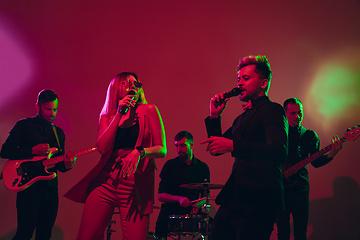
(234, 92)
(124, 109)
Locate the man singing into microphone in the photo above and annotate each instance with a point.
(253, 194)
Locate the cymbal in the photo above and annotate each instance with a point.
(202, 186)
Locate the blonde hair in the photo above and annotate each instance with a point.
(113, 94)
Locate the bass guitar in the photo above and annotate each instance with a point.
(21, 174)
(350, 134)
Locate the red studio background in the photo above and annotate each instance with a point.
(184, 52)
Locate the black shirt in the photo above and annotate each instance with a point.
(175, 173)
(260, 141)
(29, 132)
(302, 143)
(126, 137)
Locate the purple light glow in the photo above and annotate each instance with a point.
(16, 67)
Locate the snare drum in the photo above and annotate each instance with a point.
(186, 224)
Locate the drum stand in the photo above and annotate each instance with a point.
(109, 230)
(205, 209)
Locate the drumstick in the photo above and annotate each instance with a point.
(197, 200)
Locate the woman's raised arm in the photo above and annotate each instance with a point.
(107, 132)
(158, 150)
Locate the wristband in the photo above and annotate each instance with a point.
(141, 151)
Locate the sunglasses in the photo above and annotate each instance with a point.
(138, 84)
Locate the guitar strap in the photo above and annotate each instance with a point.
(302, 131)
(293, 159)
(57, 138)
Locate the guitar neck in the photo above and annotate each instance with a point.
(293, 169)
(55, 160)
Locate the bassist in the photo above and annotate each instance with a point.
(302, 143)
(37, 205)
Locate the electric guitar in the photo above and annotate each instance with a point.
(350, 134)
(21, 174)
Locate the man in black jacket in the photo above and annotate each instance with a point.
(253, 194)
(302, 143)
(184, 169)
(37, 205)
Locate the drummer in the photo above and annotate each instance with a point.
(183, 169)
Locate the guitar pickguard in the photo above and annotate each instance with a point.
(27, 171)
(21, 174)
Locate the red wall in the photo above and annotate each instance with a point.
(183, 52)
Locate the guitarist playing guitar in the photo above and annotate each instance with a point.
(302, 143)
(37, 205)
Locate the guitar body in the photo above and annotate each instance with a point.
(20, 174)
(289, 181)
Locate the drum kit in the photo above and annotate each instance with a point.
(194, 226)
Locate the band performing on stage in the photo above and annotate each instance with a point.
(267, 183)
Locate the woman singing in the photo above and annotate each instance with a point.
(131, 135)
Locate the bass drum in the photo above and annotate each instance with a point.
(186, 224)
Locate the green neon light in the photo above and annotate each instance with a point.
(334, 90)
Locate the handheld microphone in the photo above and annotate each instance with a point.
(124, 109)
(234, 92)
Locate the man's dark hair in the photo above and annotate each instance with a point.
(184, 134)
(46, 95)
(292, 101)
(262, 67)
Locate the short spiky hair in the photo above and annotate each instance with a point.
(292, 101)
(46, 95)
(262, 67)
(184, 134)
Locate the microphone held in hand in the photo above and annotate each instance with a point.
(234, 92)
(124, 109)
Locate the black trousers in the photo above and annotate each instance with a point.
(161, 228)
(240, 224)
(297, 204)
(37, 208)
